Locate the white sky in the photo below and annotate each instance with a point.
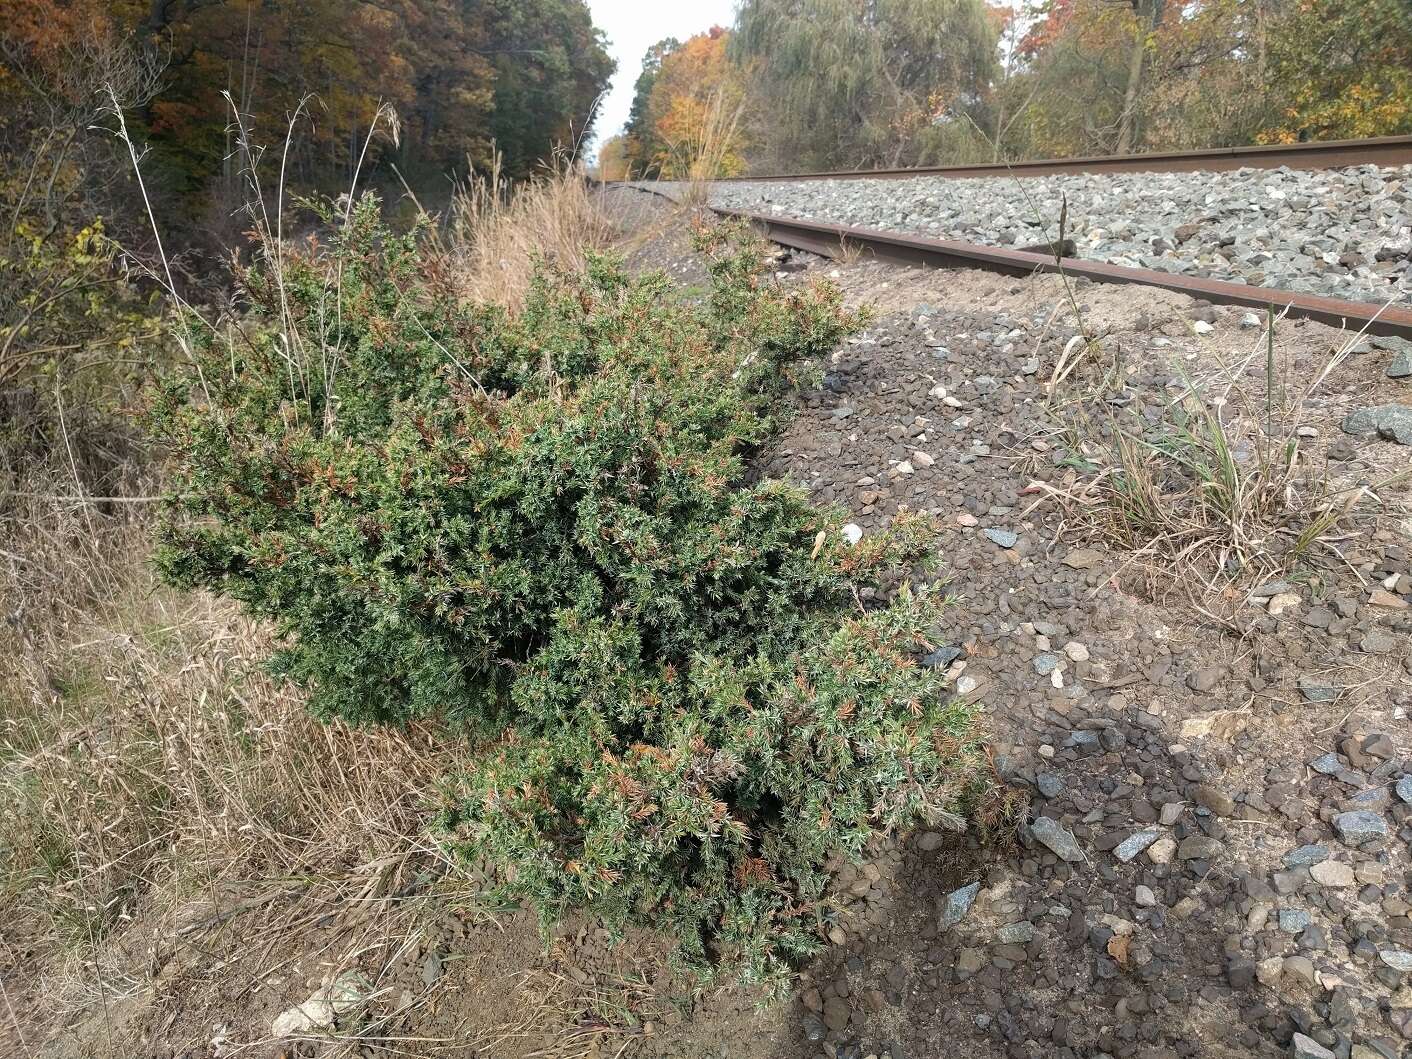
(633, 26)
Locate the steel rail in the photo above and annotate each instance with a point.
(898, 248)
(827, 239)
(1328, 154)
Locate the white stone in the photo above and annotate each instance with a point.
(323, 1007)
(1161, 851)
(302, 1018)
(1076, 651)
(1332, 873)
(852, 533)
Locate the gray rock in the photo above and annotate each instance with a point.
(1404, 788)
(1204, 679)
(1021, 933)
(1004, 538)
(1326, 764)
(1049, 785)
(1332, 873)
(323, 1007)
(1300, 968)
(969, 961)
(1212, 799)
(1057, 838)
(1045, 664)
(1392, 422)
(1134, 844)
(941, 657)
(1359, 826)
(1400, 367)
(1082, 740)
(1397, 959)
(1199, 847)
(431, 968)
(1376, 799)
(957, 904)
(1316, 691)
(1303, 1047)
(1303, 856)
(1378, 641)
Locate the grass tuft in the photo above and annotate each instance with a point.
(1221, 484)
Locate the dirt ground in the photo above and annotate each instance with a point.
(1120, 697)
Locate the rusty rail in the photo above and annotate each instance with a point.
(895, 247)
(1328, 154)
(899, 248)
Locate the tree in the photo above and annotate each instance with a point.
(1147, 17)
(60, 296)
(859, 82)
(613, 158)
(463, 78)
(551, 66)
(642, 145)
(694, 109)
(1080, 54)
(1340, 69)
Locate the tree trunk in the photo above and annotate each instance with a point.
(1147, 13)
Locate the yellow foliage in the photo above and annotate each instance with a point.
(613, 159)
(695, 110)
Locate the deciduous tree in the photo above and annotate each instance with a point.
(1342, 68)
(858, 82)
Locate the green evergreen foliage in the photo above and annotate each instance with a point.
(538, 526)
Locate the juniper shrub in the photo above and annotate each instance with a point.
(537, 526)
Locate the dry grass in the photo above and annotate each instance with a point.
(149, 768)
(710, 151)
(1222, 486)
(496, 230)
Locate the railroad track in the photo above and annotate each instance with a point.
(1329, 154)
(828, 239)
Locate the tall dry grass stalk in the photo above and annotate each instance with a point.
(496, 229)
(710, 151)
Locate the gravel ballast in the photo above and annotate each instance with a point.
(1344, 233)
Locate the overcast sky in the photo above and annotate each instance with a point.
(633, 26)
